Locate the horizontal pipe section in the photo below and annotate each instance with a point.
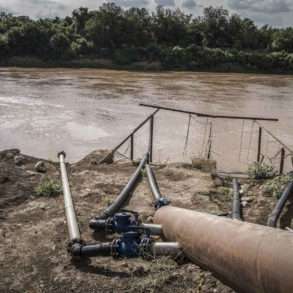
(236, 209)
(165, 248)
(125, 194)
(154, 229)
(249, 258)
(153, 184)
(73, 229)
(93, 250)
(209, 115)
(276, 213)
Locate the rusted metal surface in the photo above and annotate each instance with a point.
(249, 258)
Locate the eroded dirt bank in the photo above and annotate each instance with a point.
(33, 233)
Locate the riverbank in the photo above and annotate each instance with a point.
(143, 66)
(33, 231)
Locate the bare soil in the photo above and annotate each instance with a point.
(33, 234)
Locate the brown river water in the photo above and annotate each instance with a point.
(43, 111)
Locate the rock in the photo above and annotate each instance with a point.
(149, 219)
(246, 198)
(10, 154)
(218, 182)
(209, 166)
(3, 179)
(40, 167)
(139, 271)
(19, 160)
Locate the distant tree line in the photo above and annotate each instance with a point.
(171, 37)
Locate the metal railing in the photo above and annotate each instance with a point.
(284, 151)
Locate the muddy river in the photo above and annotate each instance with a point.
(45, 111)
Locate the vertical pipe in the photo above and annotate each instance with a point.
(210, 142)
(236, 209)
(73, 229)
(151, 139)
(282, 161)
(259, 144)
(131, 147)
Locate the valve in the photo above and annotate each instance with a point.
(119, 223)
(127, 246)
(163, 201)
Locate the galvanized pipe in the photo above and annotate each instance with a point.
(153, 183)
(152, 228)
(276, 213)
(73, 229)
(249, 258)
(236, 208)
(125, 194)
(165, 248)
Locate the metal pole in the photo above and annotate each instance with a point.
(73, 229)
(112, 152)
(283, 152)
(236, 209)
(209, 115)
(151, 139)
(132, 147)
(259, 144)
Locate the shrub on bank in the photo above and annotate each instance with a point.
(48, 188)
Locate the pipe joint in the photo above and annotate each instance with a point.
(161, 202)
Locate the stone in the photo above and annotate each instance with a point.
(40, 167)
(218, 182)
(10, 154)
(208, 166)
(149, 219)
(3, 179)
(139, 271)
(19, 160)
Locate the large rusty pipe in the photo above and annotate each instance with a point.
(249, 258)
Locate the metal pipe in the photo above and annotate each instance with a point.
(165, 248)
(151, 138)
(154, 229)
(125, 194)
(249, 258)
(276, 213)
(100, 249)
(282, 161)
(72, 224)
(236, 208)
(153, 184)
(208, 115)
(129, 136)
(259, 144)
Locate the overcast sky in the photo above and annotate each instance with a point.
(273, 12)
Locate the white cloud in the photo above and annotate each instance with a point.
(262, 6)
(274, 12)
